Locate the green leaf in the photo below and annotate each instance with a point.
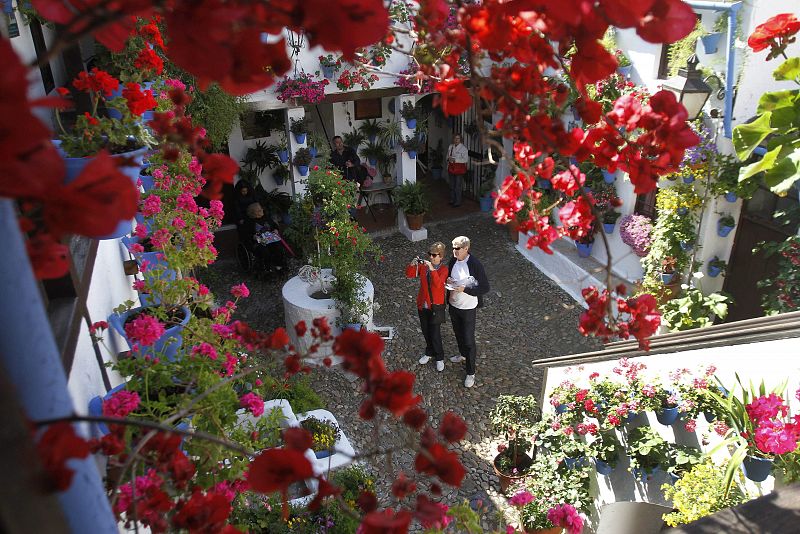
(784, 174)
(764, 164)
(746, 137)
(776, 99)
(789, 69)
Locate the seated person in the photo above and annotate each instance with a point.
(346, 160)
(259, 235)
(246, 194)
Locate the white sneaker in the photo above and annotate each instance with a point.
(425, 359)
(457, 359)
(440, 366)
(469, 381)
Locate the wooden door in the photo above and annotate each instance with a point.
(746, 267)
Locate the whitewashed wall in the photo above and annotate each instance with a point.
(772, 361)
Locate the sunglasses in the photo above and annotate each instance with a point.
(433, 254)
(456, 248)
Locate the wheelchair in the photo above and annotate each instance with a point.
(247, 258)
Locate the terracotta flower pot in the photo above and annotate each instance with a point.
(513, 230)
(507, 480)
(553, 530)
(414, 221)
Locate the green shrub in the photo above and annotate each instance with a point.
(699, 493)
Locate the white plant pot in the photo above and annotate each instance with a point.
(344, 452)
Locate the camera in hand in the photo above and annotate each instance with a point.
(419, 260)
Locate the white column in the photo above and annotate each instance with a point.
(406, 168)
(298, 182)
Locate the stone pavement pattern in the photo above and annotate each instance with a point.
(526, 317)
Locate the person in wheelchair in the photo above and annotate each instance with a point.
(259, 236)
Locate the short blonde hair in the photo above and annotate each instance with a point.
(438, 248)
(461, 241)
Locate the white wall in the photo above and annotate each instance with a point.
(776, 362)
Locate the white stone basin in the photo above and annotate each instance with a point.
(299, 305)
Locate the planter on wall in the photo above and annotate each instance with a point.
(584, 249)
(414, 220)
(327, 72)
(625, 71)
(167, 345)
(731, 197)
(723, 230)
(411, 123)
(300, 138)
(412, 154)
(303, 170)
(609, 177)
(757, 469)
(283, 155)
(609, 227)
(711, 42)
(667, 416)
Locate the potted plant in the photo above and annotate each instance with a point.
(716, 267)
(324, 435)
(648, 451)
(299, 128)
(668, 265)
(301, 160)
(605, 449)
(280, 174)
(694, 310)
(318, 145)
(576, 453)
(414, 203)
(259, 158)
(700, 492)
(386, 162)
(725, 174)
(329, 65)
(635, 231)
(624, 66)
(391, 134)
(667, 410)
(435, 159)
(409, 114)
(514, 417)
(725, 224)
(610, 220)
(303, 87)
(681, 459)
(283, 148)
(371, 129)
(372, 152)
(485, 192)
(353, 139)
(584, 244)
(411, 145)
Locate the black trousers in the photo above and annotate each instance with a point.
(464, 329)
(433, 335)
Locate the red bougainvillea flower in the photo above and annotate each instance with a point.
(394, 391)
(361, 351)
(415, 418)
(666, 22)
(138, 101)
(218, 169)
(775, 32)
(402, 486)
(94, 203)
(325, 489)
(344, 25)
(386, 522)
(453, 428)
(455, 97)
(58, 444)
(203, 512)
(437, 460)
(275, 469)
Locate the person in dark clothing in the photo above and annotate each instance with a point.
(346, 160)
(467, 285)
(245, 195)
(261, 237)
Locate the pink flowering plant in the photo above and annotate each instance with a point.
(304, 87)
(635, 231)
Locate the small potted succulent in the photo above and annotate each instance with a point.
(301, 160)
(514, 417)
(725, 224)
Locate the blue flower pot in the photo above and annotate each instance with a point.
(723, 230)
(322, 454)
(411, 123)
(74, 166)
(561, 408)
(543, 184)
(313, 151)
(602, 467)
(327, 72)
(573, 463)
(686, 246)
(166, 346)
(625, 72)
(373, 161)
(303, 170)
(609, 227)
(412, 154)
(683, 211)
(714, 271)
(711, 42)
(584, 249)
(644, 475)
(757, 469)
(147, 182)
(96, 409)
(353, 326)
(667, 416)
(673, 478)
(300, 138)
(154, 260)
(487, 204)
(731, 197)
(609, 177)
(632, 415)
(283, 155)
(710, 416)
(688, 179)
(372, 138)
(666, 278)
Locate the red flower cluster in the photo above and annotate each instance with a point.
(637, 316)
(58, 444)
(97, 81)
(138, 101)
(149, 62)
(776, 33)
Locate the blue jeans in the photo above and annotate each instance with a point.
(456, 187)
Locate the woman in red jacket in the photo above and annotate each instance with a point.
(432, 274)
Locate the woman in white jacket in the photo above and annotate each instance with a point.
(457, 158)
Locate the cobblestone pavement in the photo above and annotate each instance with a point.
(526, 317)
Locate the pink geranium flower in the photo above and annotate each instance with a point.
(144, 330)
(121, 403)
(240, 291)
(252, 402)
(521, 499)
(566, 517)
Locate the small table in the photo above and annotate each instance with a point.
(365, 193)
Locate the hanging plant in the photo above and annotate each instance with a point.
(357, 76)
(303, 87)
